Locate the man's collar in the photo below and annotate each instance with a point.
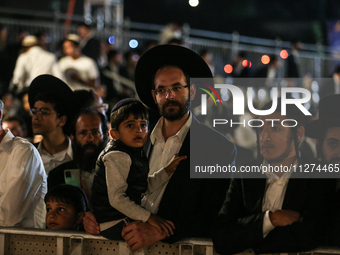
(181, 134)
(68, 152)
(6, 143)
(286, 175)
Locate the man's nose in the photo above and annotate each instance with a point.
(169, 94)
(89, 136)
(264, 136)
(51, 214)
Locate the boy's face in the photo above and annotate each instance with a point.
(61, 216)
(132, 132)
(46, 119)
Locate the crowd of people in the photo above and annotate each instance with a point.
(125, 173)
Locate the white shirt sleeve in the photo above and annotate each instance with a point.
(267, 225)
(157, 179)
(19, 72)
(117, 167)
(22, 204)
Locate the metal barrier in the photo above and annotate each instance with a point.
(17, 241)
(315, 60)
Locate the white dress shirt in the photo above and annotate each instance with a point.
(52, 161)
(162, 153)
(34, 62)
(23, 184)
(84, 66)
(275, 192)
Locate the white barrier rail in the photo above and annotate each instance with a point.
(19, 241)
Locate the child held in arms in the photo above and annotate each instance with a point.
(122, 173)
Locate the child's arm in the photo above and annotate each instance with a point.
(163, 175)
(117, 167)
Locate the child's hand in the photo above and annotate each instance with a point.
(163, 226)
(171, 167)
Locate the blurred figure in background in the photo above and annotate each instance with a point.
(90, 46)
(33, 62)
(80, 71)
(16, 124)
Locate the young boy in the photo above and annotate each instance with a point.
(66, 206)
(122, 173)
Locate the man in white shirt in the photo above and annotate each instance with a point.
(35, 61)
(22, 182)
(163, 83)
(81, 72)
(278, 211)
(53, 107)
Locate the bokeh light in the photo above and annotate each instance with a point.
(265, 59)
(112, 40)
(193, 3)
(284, 54)
(133, 43)
(228, 68)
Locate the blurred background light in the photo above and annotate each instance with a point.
(133, 43)
(265, 59)
(228, 68)
(193, 3)
(284, 54)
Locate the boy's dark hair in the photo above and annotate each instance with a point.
(70, 195)
(58, 106)
(292, 112)
(136, 108)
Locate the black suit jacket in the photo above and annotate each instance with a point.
(240, 222)
(193, 204)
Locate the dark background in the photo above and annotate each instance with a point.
(286, 19)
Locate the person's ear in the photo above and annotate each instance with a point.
(63, 120)
(154, 96)
(72, 137)
(300, 133)
(192, 91)
(114, 134)
(80, 218)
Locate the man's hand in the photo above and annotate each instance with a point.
(163, 226)
(139, 234)
(90, 224)
(281, 218)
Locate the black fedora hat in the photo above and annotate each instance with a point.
(329, 116)
(148, 64)
(57, 89)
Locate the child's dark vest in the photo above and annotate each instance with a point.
(137, 181)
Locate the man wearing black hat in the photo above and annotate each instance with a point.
(326, 130)
(279, 209)
(163, 82)
(53, 106)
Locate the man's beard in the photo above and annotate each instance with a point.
(173, 114)
(86, 160)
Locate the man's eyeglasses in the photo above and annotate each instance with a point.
(43, 112)
(164, 91)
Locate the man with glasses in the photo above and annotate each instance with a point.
(22, 182)
(163, 83)
(53, 106)
(89, 137)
